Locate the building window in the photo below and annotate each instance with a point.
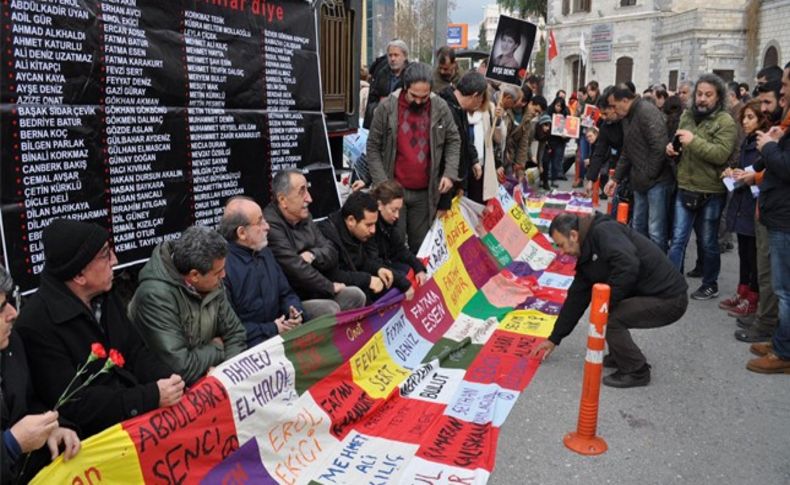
(627, 3)
(673, 81)
(771, 57)
(582, 5)
(625, 70)
(579, 75)
(566, 7)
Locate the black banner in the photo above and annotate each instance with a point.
(146, 115)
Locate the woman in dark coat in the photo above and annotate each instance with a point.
(741, 214)
(390, 237)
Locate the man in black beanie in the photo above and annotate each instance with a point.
(76, 307)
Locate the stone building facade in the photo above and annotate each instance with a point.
(653, 41)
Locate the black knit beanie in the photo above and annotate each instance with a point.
(70, 245)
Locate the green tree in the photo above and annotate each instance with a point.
(482, 42)
(525, 7)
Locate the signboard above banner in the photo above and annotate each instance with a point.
(146, 116)
(602, 36)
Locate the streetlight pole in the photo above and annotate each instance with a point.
(440, 25)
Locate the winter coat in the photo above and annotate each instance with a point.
(703, 160)
(627, 261)
(288, 241)
(258, 291)
(381, 86)
(775, 189)
(740, 210)
(178, 323)
(58, 330)
(445, 146)
(357, 260)
(19, 400)
(606, 151)
(643, 158)
(392, 249)
(468, 156)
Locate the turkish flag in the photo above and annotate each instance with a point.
(553, 50)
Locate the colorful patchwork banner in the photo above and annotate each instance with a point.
(400, 392)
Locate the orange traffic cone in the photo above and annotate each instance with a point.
(622, 212)
(583, 440)
(595, 195)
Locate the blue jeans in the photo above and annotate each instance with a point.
(710, 214)
(651, 213)
(779, 242)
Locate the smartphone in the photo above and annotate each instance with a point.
(676, 145)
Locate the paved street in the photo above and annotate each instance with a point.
(703, 419)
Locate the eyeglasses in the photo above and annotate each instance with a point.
(105, 253)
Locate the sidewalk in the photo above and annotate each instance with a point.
(703, 419)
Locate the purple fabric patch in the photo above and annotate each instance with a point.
(483, 267)
(243, 466)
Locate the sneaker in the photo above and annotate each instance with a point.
(770, 363)
(624, 380)
(744, 308)
(762, 349)
(695, 273)
(751, 335)
(705, 292)
(731, 303)
(735, 300)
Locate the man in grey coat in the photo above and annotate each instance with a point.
(644, 161)
(413, 139)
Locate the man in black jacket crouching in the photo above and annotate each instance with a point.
(646, 289)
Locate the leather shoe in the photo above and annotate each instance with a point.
(769, 364)
(762, 348)
(745, 322)
(624, 380)
(751, 335)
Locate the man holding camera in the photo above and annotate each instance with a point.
(707, 135)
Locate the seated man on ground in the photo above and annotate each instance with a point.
(255, 284)
(25, 424)
(180, 307)
(351, 231)
(74, 307)
(305, 256)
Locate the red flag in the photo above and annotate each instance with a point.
(553, 50)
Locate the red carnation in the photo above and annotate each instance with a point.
(97, 350)
(522, 73)
(116, 358)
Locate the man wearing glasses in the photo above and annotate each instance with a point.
(22, 431)
(75, 307)
(255, 283)
(413, 139)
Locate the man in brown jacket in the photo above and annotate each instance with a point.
(413, 139)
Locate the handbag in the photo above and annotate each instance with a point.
(692, 200)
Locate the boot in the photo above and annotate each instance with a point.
(735, 300)
(747, 306)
